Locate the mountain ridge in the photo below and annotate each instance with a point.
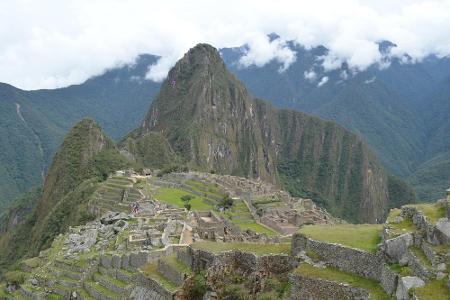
(213, 124)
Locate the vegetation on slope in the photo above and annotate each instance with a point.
(85, 158)
(33, 123)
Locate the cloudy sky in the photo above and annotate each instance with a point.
(54, 43)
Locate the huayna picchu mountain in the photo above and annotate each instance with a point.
(204, 118)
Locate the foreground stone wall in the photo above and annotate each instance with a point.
(170, 273)
(246, 262)
(306, 288)
(152, 285)
(347, 259)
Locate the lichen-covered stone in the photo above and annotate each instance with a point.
(405, 284)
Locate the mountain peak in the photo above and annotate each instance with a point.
(198, 87)
(202, 59)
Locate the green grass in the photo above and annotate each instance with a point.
(403, 271)
(3, 293)
(151, 270)
(178, 265)
(421, 256)
(332, 274)
(54, 297)
(433, 211)
(173, 196)
(255, 248)
(433, 290)
(364, 236)
(405, 226)
(252, 225)
(203, 187)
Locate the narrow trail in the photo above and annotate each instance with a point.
(39, 143)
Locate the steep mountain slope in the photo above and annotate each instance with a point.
(395, 109)
(83, 159)
(211, 122)
(33, 123)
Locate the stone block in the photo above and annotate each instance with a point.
(405, 284)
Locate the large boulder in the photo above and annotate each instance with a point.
(443, 230)
(396, 249)
(405, 284)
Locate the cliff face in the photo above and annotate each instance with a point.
(209, 118)
(213, 124)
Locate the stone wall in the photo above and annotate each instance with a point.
(185, 255)
(244, 261)
(170, 273)
(388, 280)
(135, 260)
(306, 288)
(154, 286)
(417, 267)
(357, 261)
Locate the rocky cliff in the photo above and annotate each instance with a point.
(212, 123)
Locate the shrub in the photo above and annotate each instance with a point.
(15, 277)
(196, 287)
(226, 202)
(186, 198)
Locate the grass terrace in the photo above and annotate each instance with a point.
(203, 187)
(332, 274)
(433, 211)
(433, 290)
(173, 196)
(255, 248)
(396, 229)
(364, 236)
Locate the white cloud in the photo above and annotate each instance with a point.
(52, 43)
(371, 80)
(262, 50)
(323, 81)
(310, 75)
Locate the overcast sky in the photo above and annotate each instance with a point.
(55, 43)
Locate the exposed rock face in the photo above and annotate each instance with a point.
(211, 123)
(397, 248)
(443, 229)
(405, 284)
